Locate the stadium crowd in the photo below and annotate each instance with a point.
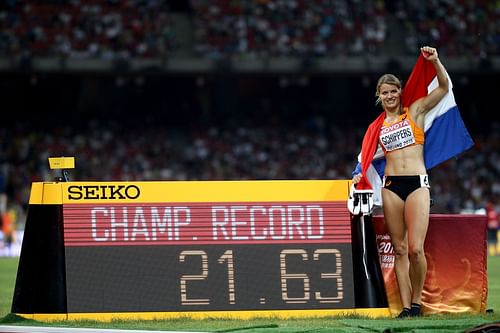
(284, 28)
(460, 28)
(85, 29)
(124, 29)
(105, 152)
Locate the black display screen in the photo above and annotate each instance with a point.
(209, 277)
(181, 257)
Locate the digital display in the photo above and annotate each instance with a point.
(205, 223)
(205, 246)
(207, 256)
(210, 277)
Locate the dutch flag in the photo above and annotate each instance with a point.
(445, 132)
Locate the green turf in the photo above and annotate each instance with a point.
(8, 270)
(428, 324)
(494, 283)
(448, 323)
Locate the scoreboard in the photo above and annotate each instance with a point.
(233, 248)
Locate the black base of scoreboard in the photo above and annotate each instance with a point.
(41, 277)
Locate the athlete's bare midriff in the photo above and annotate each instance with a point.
(405, 161)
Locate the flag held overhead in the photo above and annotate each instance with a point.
(445, 132)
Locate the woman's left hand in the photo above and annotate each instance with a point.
(429, 53)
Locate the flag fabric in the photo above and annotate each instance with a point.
(445, 133)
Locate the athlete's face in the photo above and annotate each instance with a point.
(390, 95)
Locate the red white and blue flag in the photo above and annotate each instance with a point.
(445, 133)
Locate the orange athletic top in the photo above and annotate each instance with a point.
(403, 133)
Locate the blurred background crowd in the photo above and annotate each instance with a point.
(121, 123)
(217, 28)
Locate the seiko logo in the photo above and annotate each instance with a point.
(103, 192)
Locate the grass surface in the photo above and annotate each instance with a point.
(8, 271)
(440, 323)
(494, 283)
(428, 324)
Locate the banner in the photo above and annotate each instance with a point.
(456, 280)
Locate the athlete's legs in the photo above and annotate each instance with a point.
(394, 219)
(417, 221)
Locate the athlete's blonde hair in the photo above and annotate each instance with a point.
(388, 79)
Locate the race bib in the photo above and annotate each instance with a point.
(397, 136)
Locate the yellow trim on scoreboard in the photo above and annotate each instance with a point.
(46, 193)
(188, 191)
(200, 315)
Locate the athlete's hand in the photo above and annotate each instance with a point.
(356, 178)
(429, 53)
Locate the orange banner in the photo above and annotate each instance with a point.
(455, 248)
